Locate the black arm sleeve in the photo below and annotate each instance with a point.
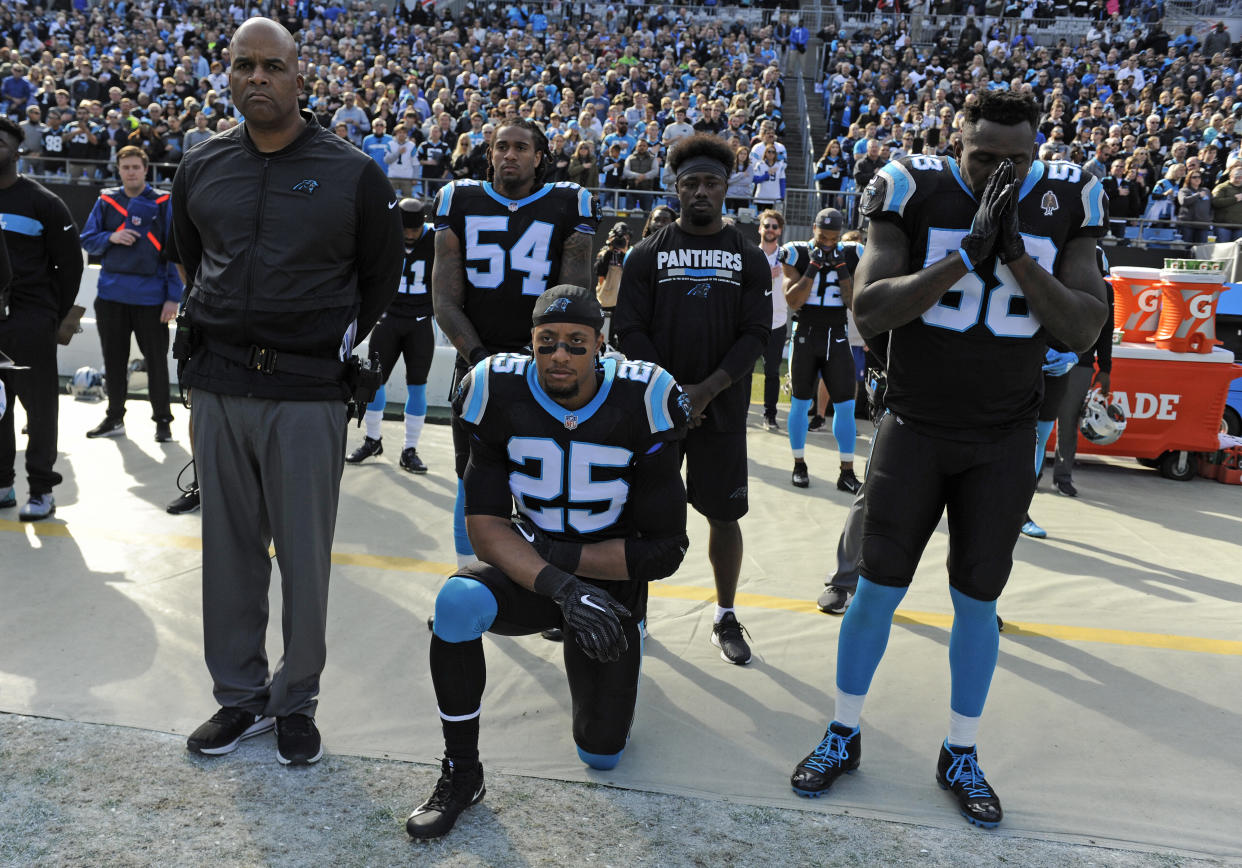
(186, 240)
(379, 250)
(657, 506)
(756, 320)
(486, 480)
(1104, 345)
(64, 252)
(631, 321)
(6, 267)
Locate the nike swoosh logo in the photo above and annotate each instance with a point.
(586, 601)
(838, 340)
(392, 204)
(769, 292)
(529, 537)
(70, 226)
(419, 319)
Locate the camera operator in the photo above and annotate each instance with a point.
(608, 264)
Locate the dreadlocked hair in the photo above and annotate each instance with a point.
(700, 145)
(1003, 107)
(541, 147)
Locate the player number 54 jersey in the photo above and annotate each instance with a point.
(511, 249)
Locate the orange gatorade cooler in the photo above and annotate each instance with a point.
(1188, 311)
(1137, 301)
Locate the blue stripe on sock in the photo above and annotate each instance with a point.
(381, 398)
(799, 422)
(864, 635)
(416, 400)
(974, 645)
(844, 428)
(461, 539)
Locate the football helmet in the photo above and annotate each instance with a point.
(87, 384)
(1103, 420)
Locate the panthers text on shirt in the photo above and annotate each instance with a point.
(684, 263)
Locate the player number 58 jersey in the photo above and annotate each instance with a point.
(981, 332)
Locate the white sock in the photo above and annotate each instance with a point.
(413, 428)
(720, 613)
(846, 458)
(798, 454)
(963, 730)
(372, 418)
(849, 708)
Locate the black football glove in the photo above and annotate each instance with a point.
(592, 616)
(1009, 244)
(985, 228)
(819, 258)
(565, 555)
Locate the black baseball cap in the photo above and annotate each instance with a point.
(830, 219)
(568, 303)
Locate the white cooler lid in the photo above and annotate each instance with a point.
(1130, 350)
(1135, 272)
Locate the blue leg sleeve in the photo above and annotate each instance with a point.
(460, 538)
(844, 427)
(465, 609)
(973, 648)
(799, 422)
(1042, 431)
(864, 635)
(381, 399)
(416, 400)
(603, 762)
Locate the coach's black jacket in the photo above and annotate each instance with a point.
(298, 251)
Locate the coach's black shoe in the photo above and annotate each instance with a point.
(8, 498)
(847, 481)
(727, 635)
(769, 422)
(370, 447)
(1067, 488)
(297, 740)
(109, 427)
(553, 634)
(838, 754)
(958, 770)
(187, 502)
(834, 600)
(410, 461)
(456, 790)
(816, 425)
(163, 432)
(227, 727)
(801, 477)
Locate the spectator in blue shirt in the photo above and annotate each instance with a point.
(16, 91)
(376, 144)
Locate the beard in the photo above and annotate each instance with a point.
(700, 218)
(569, 390)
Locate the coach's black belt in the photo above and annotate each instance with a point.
(266, 360)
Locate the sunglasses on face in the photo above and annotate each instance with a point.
(771, 226)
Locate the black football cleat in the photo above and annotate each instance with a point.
(958, 771)
(456, 790)
(371, 446)
(847, 481)
(838, 754)
(801, 477)
(410, 461)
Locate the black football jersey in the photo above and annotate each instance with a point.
(981, 337)
(824, 305)
(511, 250)
(569, 471)
(413, 296)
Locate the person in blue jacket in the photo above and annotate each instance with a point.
(139, 288)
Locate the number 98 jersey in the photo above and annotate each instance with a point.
(511, 250)
(577, 474)
(980, 334)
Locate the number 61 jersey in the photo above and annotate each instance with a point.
(583, 475)
(511, 250)
(972, 362)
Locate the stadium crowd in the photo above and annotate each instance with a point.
(1151, 113)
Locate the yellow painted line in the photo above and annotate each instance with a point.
(691, 593)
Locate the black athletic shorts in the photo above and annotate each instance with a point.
(1054, 393)
(822, 351)
(716, 472)
(913, 477)
(409, 337)
(603, 694)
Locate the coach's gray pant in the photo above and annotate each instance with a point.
(268, 471)
(1068, 416)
